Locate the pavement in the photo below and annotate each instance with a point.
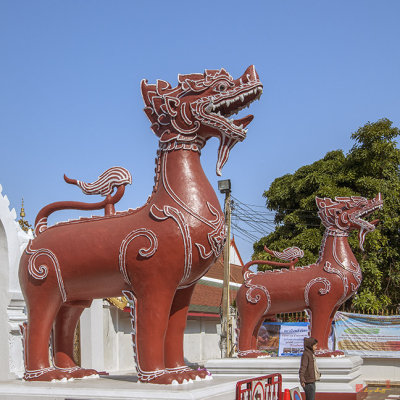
(383, 393)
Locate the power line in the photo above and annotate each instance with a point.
(251, 222)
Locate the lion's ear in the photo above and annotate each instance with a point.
(323, 203)
(162, 86)
(146, 91)
(320, 202)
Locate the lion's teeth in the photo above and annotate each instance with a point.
(241, 98)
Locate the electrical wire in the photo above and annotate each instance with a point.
(251, 222)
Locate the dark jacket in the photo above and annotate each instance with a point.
(306, 371)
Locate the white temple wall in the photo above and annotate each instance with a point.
(92, 337)
(118, 339)
(4, 351)
(13, 241)
(201, 340)
(110, 348)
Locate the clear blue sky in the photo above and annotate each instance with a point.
(70, 99)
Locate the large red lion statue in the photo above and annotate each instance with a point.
(154, 254)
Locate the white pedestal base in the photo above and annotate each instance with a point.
(339, 375)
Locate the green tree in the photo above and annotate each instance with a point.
(371, 166)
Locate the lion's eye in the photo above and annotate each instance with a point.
(221, 87)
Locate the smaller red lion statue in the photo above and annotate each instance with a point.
(320, 288)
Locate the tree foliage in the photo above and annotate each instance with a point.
(371, 166)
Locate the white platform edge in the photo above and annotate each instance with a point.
(106, 388)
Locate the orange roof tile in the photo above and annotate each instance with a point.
(208, 298)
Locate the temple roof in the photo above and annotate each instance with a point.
(207, 295)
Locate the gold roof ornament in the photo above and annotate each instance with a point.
(22, 213)
(119, 302)
(25, 225)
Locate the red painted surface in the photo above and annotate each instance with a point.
(262, 387)
(194, 314)
(338, 396)
(154, 254)
(321, 287)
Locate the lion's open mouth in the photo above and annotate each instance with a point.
(228, 99)
(367, 226)
(222, 106)
(216, 110)
(376, 204)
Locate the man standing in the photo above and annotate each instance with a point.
(308, 371)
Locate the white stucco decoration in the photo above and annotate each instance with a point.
(13, 241)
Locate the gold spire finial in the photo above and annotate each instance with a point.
(25, 225)
(22, 213)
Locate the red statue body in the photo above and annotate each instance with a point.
(154, 254)
(320, 288)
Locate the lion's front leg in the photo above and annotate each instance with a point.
(150, 315)
(174, 357)
(251, 316)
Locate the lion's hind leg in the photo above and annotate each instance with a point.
(41, 314)
(64, 330)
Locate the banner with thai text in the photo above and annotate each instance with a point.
(368, 335)
(284, 338)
